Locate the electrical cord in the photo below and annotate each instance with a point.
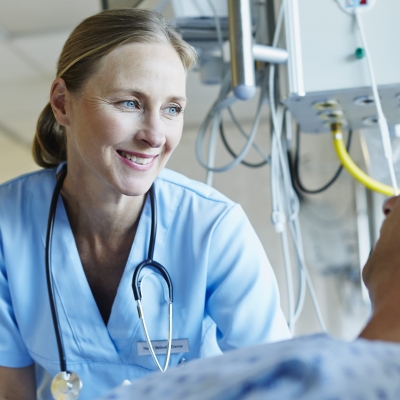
(286, 208)
(352, 168)
(383, 125)
(233, 154)
(216, 109)
(218, 29)
(296, 167)
(285, 203)
(245, 135)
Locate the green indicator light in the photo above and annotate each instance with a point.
(360, 53)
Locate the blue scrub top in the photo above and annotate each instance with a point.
(225, 292)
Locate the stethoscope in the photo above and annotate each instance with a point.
(67, 385)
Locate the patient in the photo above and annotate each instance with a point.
(310, 367)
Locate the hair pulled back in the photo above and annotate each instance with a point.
(91, 40)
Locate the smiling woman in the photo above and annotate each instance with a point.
(124, 124)
(67, 301)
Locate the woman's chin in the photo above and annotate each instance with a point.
(134, 190)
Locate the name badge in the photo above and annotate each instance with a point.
(161, 346)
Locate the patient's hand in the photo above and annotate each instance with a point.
(382, 278)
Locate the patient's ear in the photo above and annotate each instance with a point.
(58, 100)
(389, 204)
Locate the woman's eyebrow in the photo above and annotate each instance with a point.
(138, 93)
(179, 99)
(127, 92)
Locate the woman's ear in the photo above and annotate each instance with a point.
(58, 100)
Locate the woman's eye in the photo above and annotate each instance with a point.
(130, 103)
(174, 110)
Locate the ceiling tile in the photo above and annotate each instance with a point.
(43, 48)
(12, 67)
(28, 16)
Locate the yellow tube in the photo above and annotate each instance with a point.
(352, 168)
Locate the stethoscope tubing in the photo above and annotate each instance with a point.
(49, 276)
(135, 280)
(137, 293)
(151, 348)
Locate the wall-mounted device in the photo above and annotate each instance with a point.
(328, 73)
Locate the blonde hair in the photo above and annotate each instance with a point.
(90, 41)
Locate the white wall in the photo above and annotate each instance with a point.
(15, 158)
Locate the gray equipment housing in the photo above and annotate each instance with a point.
(327, 82)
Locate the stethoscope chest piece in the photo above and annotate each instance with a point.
(66, 386)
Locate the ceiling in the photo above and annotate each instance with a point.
(32, 33)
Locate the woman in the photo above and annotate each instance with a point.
(114, 118)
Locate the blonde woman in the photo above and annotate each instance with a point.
(67, 276)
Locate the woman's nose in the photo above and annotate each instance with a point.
(152, 131)
(389, 204)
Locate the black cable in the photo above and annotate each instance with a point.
(232, 153)
(296, 175)
(104, 4)
(299, 193)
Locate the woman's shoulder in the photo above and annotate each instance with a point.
(174, 181)
(27, 182)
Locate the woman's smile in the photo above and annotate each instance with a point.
(136, 161)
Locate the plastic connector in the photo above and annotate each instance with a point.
(278, 219)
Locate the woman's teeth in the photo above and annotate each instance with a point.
(137, 160)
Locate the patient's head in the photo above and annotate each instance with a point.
(389, 204)
(381, 273)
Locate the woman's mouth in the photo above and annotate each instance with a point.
(135, 159)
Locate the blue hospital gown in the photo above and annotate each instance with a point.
(306, 368)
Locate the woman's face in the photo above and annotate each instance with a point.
(128, 119)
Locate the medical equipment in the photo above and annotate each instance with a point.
(349, 98)
(66, 385)
(327, 81)
(352, 168)
(285, 203)
(296, 163)
(241, 41)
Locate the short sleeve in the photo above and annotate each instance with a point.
(13, 352)
(242, 295)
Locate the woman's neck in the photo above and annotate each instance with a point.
(97, 213)
(104, 225)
